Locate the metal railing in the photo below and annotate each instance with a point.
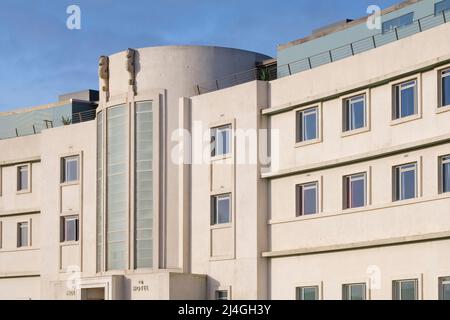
(36, 128)
(329, 56)
(84, 116)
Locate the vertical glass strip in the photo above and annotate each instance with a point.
(116, 218)
(99, 191)
(144, 185)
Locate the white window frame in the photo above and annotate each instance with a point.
(346, 290)
(397, 182)
(64, 168)
(215, 132)
(64, 220)
(1, 234)
(394, 291)
(300, 124)
(348, 105)
(299, 292)
(306, 186)
(397, 110)
(348, 190)
(215, 211)
(443, 161)
(19, 188)
(19, 234)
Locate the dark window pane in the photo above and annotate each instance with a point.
(446, 177)
(446, 290)
(309, 293)
(358, 193)
(408, 183)
(441, 6)
(408, 290)
(408, 102)
(223, 210)
(357, 292)
(357, 115)
(446, 91)
(310, 126)
(310, 200)
(398, 22)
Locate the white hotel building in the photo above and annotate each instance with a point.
(353, 204)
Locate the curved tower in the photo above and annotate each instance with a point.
(138, 217)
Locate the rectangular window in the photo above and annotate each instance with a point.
(355, 113)
(308, 124)
(221, 141)
(143, 226)
(405, 99)
(221, 295)
(441, 6)
(445, 88)
(405, 289)
(405, 182)
(22, 178)
(445, 174)
(355, 191)
(307, 293)
(221, 209)
(22, 234)
(354, 291)
(307, 199)
(401, 21)
(444, 288)
(70, 168)
(70, 229)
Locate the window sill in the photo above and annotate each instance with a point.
(307, 143)
(221, 157)
(406, 119)
(68, 184)
(69, 243)
(443, 109)
(221, 226)
(23, 192)
(354, 132)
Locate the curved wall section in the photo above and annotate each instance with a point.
(139, 220)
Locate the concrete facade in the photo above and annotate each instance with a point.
(261, 248)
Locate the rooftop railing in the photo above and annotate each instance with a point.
(348, 50)
(35, 128)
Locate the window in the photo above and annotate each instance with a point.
(307, 293)
(306, 199)
(70, 227)
(70, 169)
(398, 22)
(445, 174)
(355, 291)
(22, 178)
(220, 141)
(405, 289)
(405, 182)
(441, 6)
(355, 194)
(444, 288)
(355, 113)
(221, 295)
(221, 209)
(405, 99)
(22, 234)
(308, 124)
(445, 88)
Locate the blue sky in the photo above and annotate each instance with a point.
(40, 58)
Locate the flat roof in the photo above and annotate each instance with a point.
(343, 25)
